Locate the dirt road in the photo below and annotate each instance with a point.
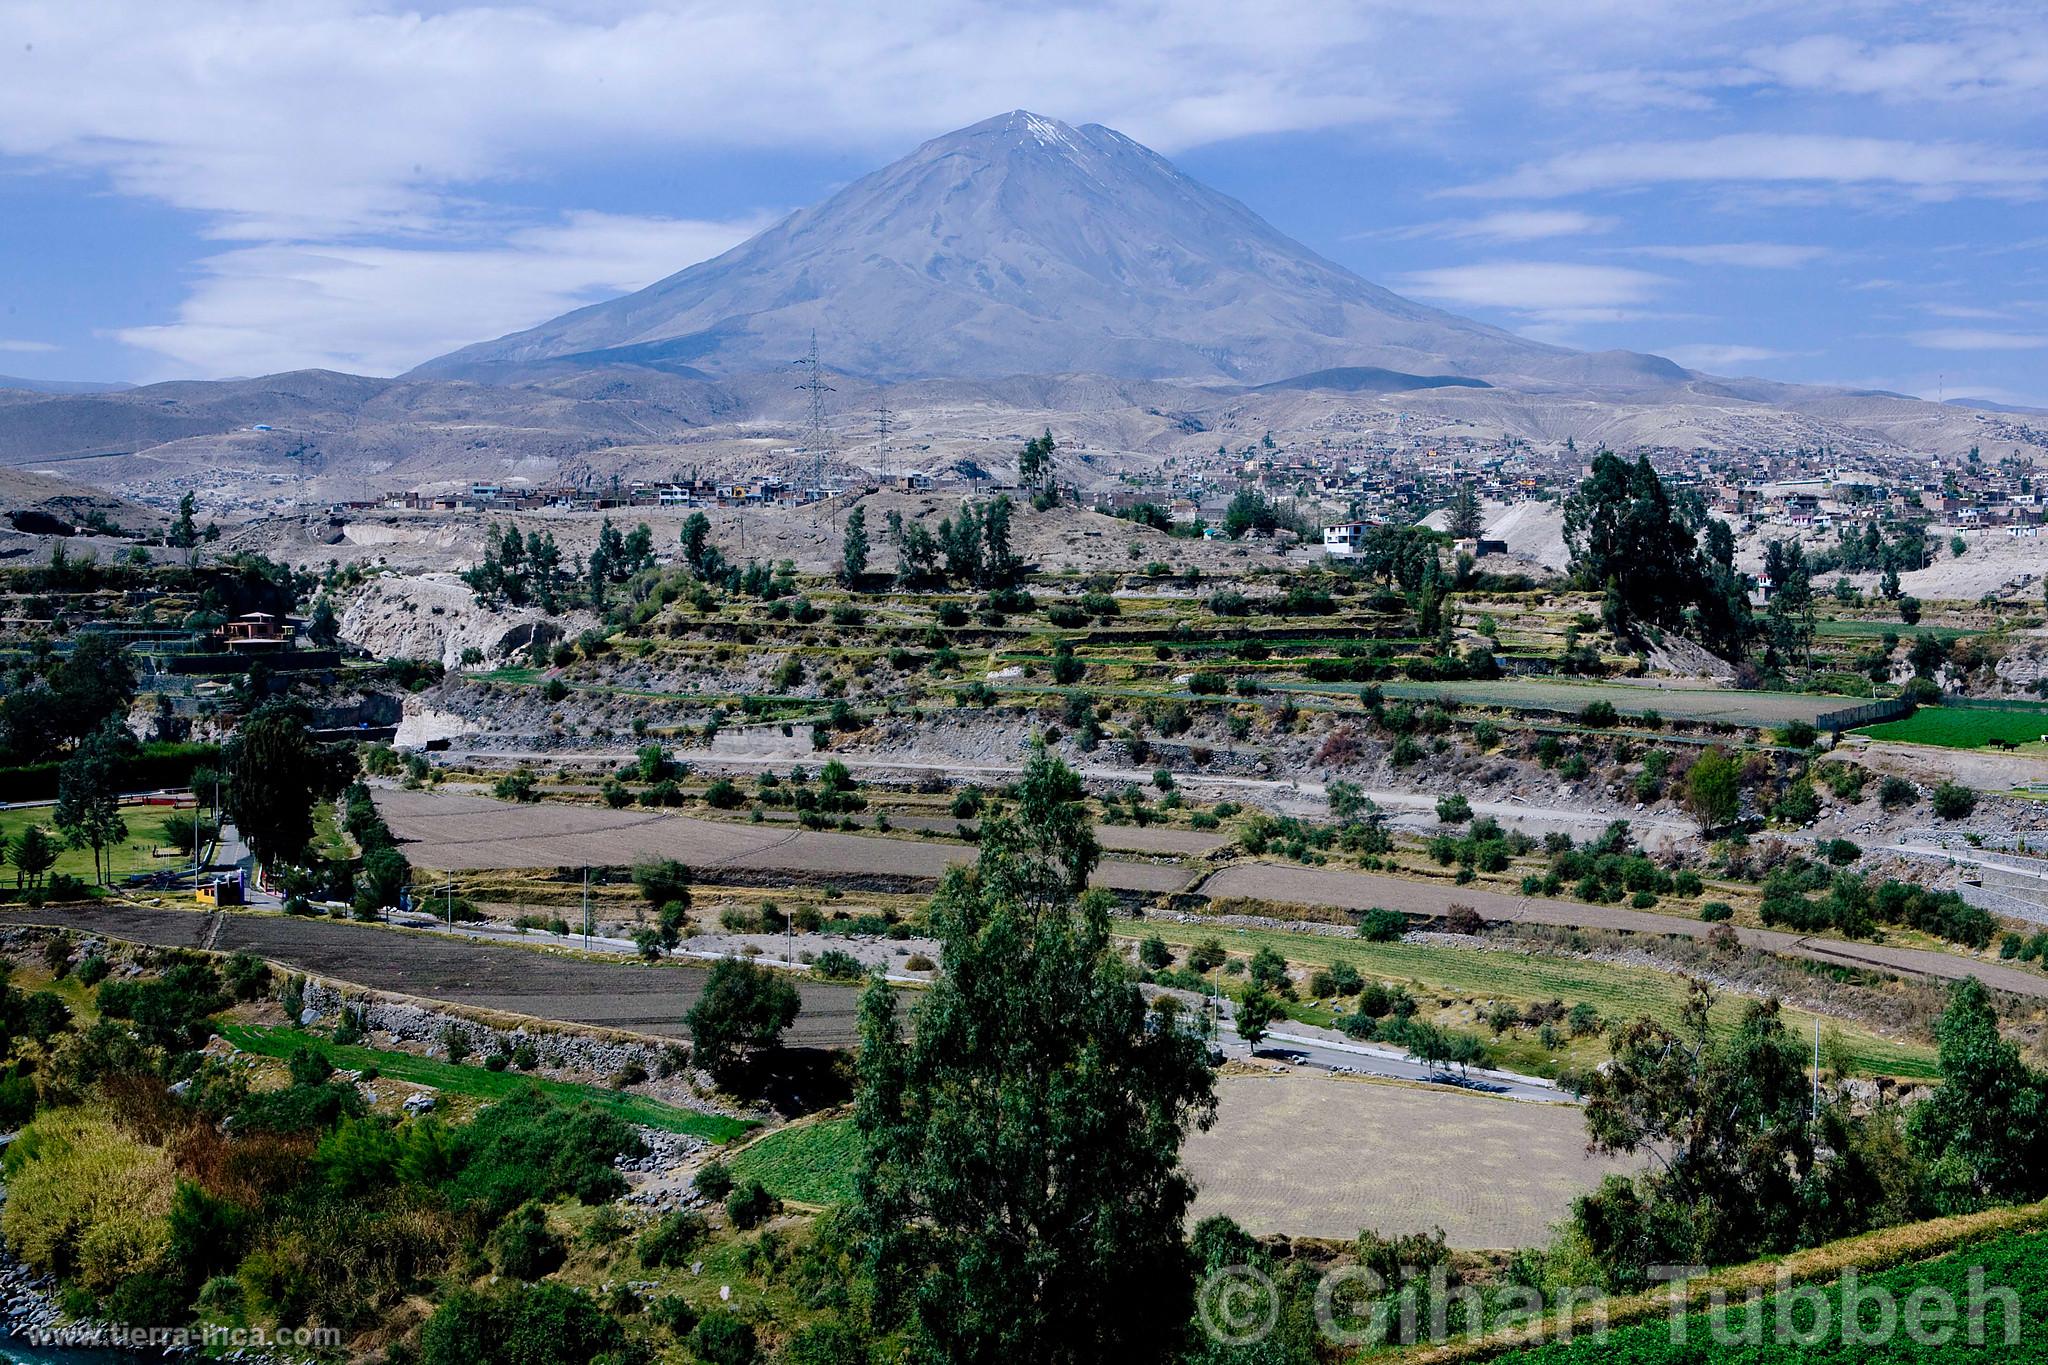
(1364, 890)
(624, 995)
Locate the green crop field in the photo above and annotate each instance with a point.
(811, 1163)
(479, 1081)
(1617, 992)
(1693, 704)
(1876, 630)
(2016, 1261)
(1958, 727)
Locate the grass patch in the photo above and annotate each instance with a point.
(477, 1081)
(1619, 993)
(812, 1163)
(132, 855)
(1956, 727)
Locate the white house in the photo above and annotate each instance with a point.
(1343, 538)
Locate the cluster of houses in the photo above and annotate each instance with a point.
(499, 497)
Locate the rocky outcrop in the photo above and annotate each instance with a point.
(436, 616)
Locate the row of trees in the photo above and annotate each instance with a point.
(529, 570)
(973, 548)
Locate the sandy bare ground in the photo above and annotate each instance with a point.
(454, 833)
(1978, 768)
(1365, 890)
(624, 994)
(1359, 1154)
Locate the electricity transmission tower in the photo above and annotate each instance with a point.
(882, 439)
(814, 429)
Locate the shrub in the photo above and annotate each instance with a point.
(516, 1324)
(918, 962)
(1953, 802)
(1453, 809)
(663, 881)
(714, 1180)
(525, 1247)
(1382, 926)
(1599, 715)
(836, 964)
(86, 1200)
(1894, 792)
(671, 1240)
(1154, 953)
(528, 1147)
(750, 1204)
(723, 1339)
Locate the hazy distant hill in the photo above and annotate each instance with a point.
(1024, 246)
(8, 381)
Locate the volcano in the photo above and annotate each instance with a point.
(1024, 246)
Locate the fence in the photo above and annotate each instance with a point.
(1850, 719)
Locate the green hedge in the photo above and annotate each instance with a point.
(157, 765)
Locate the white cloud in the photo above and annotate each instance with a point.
(1717, 358)
(1934, 170)
(1995, 62)
(1973, 339)
(382, 309)
(1751, 255)
(1553, 292)
(25, 347)
(1964, 312)
(1515, 225)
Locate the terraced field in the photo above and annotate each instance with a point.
(464, 833)
(1471, 973)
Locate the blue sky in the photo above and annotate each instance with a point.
(1850, 193)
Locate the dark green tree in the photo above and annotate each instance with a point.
(1467, 518)
(1035, 467)
(184, 529)
(1020, 1194)
(740, 1016)
(276, 772)
(853, 549)
(1984, 1132)
(322, 628)
(1630, 538)
(1725, 1125)
(89, 795)
(33, 853)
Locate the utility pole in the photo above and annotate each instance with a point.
(882, 439)
(1813, 1116)
(586, 909)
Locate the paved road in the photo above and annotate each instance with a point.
(623, 995)
(1365, 890)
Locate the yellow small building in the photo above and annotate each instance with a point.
(221, 891)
